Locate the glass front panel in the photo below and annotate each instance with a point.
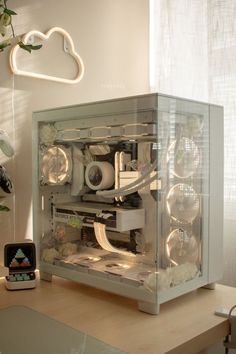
(184, 170)
(98, 183)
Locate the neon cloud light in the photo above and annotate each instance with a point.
(45, 36)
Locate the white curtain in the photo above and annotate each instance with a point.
(178, 48)
(193, 55)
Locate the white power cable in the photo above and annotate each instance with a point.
(14, 161)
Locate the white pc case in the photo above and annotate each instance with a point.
(128, 195)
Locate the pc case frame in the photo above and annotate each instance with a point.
(153, 123)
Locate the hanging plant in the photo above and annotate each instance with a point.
(6, 26)
(6, 186)
(4, 208)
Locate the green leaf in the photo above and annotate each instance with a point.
(29, 47)
(25, 46)
(4, 45)
(4, 208)
(36, 47)
(9, 12)
(5, 19)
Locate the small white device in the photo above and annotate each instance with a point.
(225, 312)
(20, 259)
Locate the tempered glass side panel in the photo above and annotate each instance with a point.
(183, 167)
(97, 190)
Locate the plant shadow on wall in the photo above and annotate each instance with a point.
(7, 30)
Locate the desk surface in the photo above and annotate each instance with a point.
(44, 335)
(184, 325)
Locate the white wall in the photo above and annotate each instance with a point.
(111, 37)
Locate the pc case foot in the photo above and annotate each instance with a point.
(210, 286)
(148, 307)
(45, 276)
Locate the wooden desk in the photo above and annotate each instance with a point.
(184, 325)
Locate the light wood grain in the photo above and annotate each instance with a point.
(184, 325)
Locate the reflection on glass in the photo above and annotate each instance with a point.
(181, 247)
(182, 203)
(55, 165)
(183, 156)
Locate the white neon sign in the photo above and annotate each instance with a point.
(45, 36)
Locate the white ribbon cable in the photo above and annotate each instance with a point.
(101, 237)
